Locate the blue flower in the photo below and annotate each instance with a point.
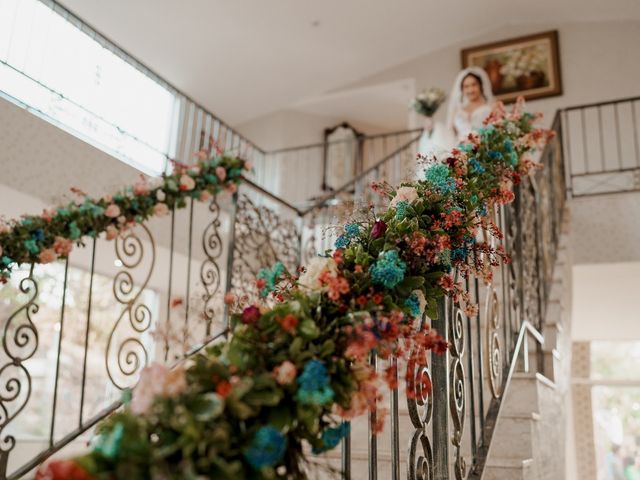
(438, 177)
(313, 384)
(38, 235)
(388, 270)
(351, 229)
(476, 166)
(270, 276)
(74, 231)
(342, 241)
(31, 246)
(513, 156)
(109, 445)
(63, 212)
(508, 145)
(267, 448)
(482, 211)
(459, 253)
(413, 304)
(401, 209)
(27, 222)
(331, 438)
(495, 155)
(6, 261)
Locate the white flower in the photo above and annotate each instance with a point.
(317, 266)
(422, 299)
(404, 194)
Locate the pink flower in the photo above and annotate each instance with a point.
(248, 165)
(187, 182)
(150, 385)
(175, 383)
(157, 380)
(160, 195)
(48, 214)
(108, 198)
(250, 315)
(229, 298)
(285, 373)
(161, 209)
(112, 232)
(221, 173)
(140, 187)
(231, 188)
(122, 219)
(112, 211)
(379, 229)
(404, 194)
(204, 196)
(62, 246)
(48, 255)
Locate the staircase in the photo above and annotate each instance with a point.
(496, 409)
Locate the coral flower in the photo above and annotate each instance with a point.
(112, 211)
(285, 373)
(112, 232)
(48, 255)
(62, 246)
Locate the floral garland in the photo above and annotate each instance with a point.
(52, 235)
(297, 365)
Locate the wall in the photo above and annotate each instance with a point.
(595, 61)
(606, 304)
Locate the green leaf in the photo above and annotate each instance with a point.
(207, 406)
(308, 329)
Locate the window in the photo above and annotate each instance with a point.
(60, 71)
(615, 399)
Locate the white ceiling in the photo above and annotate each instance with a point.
(246, 58)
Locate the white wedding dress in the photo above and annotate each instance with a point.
(459, 123)
(443, 139)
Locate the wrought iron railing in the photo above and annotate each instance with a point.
(78, 332)
(602, 146)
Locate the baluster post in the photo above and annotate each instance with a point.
(440, 365)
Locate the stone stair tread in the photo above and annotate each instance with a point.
(505, 462)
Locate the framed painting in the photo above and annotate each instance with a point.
(527, 66)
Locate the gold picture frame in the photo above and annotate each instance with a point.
(526, 66)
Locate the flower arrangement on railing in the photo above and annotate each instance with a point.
(296, 365)
(52, 235)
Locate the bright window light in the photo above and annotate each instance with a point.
(58, 71)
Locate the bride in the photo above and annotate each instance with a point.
(470, 103)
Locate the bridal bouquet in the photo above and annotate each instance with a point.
(428, 101)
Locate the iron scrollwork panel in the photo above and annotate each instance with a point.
(262, 238)
(457, 389)
(210, 269)
(420, 407)
(529, 254)
(19, 343)
(494, 347)
(126, 354)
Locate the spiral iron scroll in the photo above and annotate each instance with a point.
(210, 270)
(457, 388)
(494, 346)
(19, 343)
(129, 355)
(262, 237)
(420, 406)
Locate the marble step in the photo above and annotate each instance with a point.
(509, 470)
